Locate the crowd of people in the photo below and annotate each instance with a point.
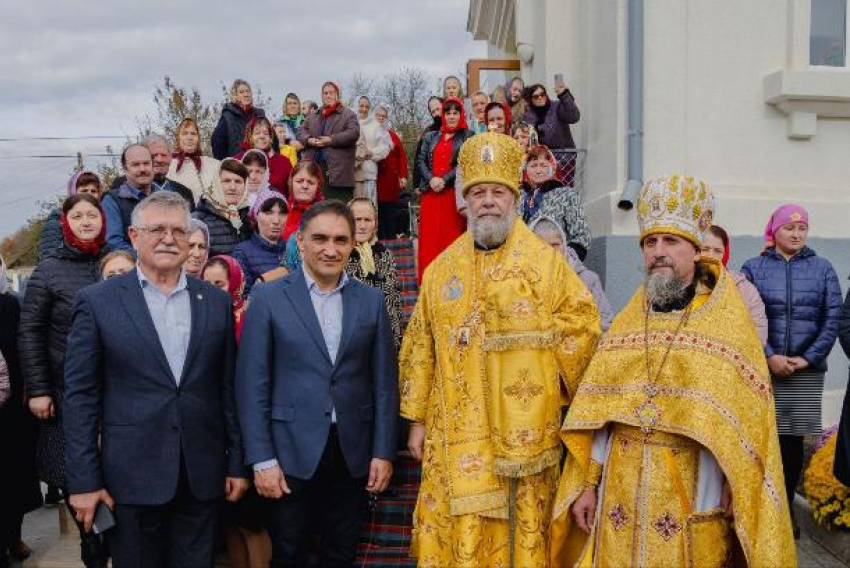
(214, 346)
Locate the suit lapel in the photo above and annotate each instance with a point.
(299, 297)
(137, 308)
(349, 317)
(197, 301)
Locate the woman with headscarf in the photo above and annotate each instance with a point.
(543, 194)
(498, 117)
(189, 167)
(392, 178)
(229, 133)
(552, 119)
(305, 190)
(373, 146)
(224, 272)
(225, 210)
(292, 118)
(716, 245)
(266, 249)
(51, 232)
(260, 136)
(802, 299)
(258, 174)
(435, 111)
(372, 263)
(439, 221)
(45, 323)
(199, 248)
(19, 488)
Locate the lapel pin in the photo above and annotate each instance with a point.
(200, 296)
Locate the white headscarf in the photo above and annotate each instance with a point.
(264, 183)
(215, 196)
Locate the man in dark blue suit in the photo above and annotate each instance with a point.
(317, 392)
(150, 415)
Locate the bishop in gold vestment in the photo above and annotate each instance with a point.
(498, 342)
(673, 456)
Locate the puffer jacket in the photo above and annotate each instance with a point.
(51, 235)
(223, 236)
(230, 130)
(46, 316)
(553, 127)
(425, 157)
(802, 300)
(257, 256)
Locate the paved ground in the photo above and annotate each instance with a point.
(41, 532)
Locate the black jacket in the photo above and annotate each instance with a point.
(51, 235)
(230, 130)
(19, 488)
(841, 468)
(46, 317)
(223, 237)
(425, 157)
(168, 184)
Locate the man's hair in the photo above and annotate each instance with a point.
(162, 200)
(88, 178)
(234, 167)
(328, 207)
(127, 148)
(196, 225)
(72, 201)
(269, 204)
(155, 138)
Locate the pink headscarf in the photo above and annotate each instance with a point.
(788, 213)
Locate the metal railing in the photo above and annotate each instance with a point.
(570, 170)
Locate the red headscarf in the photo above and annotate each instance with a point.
(91, 248)
(461, 124)
(293, 219)
(249, 131)
(181, 157)
(235, 287)
(328, 110)
(507, 111)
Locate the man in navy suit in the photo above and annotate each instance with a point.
(317, 393)
(150, 423)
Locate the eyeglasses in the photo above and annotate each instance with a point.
(538, 96)
(158, 232)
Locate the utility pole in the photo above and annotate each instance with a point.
(79, 167)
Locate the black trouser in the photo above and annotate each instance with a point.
(342, 193)
(93, 550)
(387, 216)
(791, 449)
(177, 534)
(335, 500)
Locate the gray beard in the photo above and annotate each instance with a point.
(664, 289)
(489, 233)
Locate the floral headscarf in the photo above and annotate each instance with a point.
(215, 196)
(235, 287)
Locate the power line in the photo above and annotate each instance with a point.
(57, 156)
(110, 137)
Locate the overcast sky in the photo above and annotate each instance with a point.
(89, 68)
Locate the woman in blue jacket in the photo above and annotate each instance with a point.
(265, 250)
(802, 298)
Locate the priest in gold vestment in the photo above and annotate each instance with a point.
(673, 456)
(499, 339)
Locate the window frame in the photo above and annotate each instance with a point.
(846, 65)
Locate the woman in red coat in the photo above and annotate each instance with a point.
(392, 178)
(439, 221)
(259, 135)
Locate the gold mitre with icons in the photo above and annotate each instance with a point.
(491, 158)
(678, 205)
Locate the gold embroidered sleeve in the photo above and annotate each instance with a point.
(416, 362)
(594, 475)
(577, 326)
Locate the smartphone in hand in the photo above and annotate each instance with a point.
(559, 80)
(103, 519)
